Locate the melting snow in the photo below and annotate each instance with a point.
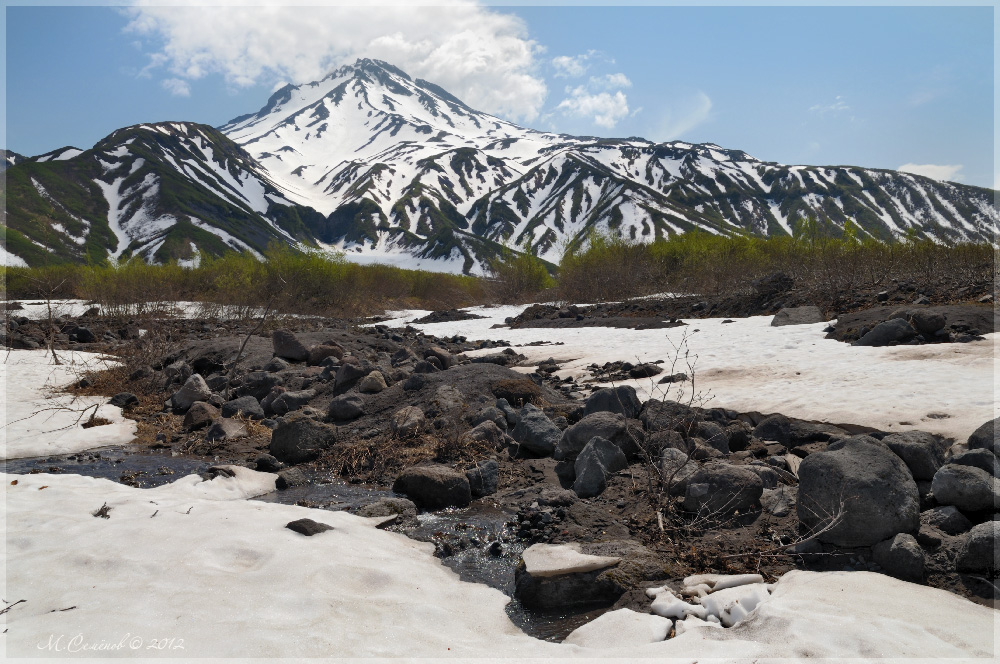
(40, 422)
(749, 365)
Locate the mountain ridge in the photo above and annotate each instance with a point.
(392, 169)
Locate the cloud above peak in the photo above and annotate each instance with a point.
(482, 56)
(948, 172)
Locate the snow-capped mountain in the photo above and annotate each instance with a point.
(400, 165)
(388, 168)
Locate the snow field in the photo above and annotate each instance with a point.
(38, 421)
(206, 573)
(747, 365)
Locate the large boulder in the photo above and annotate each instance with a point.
(259, 384)
(484, 477)
(407, 421)
(598, 460)
(194, 389)
(246, 405)
(201, 414)
(373, 383)
(557, 576)
(604, 424)
(289, 401)
(722, 489)
(968, 488)
(288, 346)
(896, 330)
(349, 373)
(901, 557)
(980, 553)
(985, 437)
(978, 458)
(444, 358)
(665, 415)
(775, 428)
(536, 432)
(346, 407)
(863, 484)
(434, 486)
(621, 399)
(299, 438)
(713, 435)
(923, 453)
(926, 322)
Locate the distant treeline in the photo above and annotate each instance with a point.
(608, 268)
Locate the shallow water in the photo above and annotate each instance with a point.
(462, 537)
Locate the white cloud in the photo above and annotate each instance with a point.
(482, 56)
(177, 87)
(611, 81)
(837, 105)
(570, 66)
(950, 172)
(605, 108)
(683, 116)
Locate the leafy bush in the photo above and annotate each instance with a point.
(517, 277)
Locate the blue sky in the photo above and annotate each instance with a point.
(885, 87)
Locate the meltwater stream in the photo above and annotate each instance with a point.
(463, 538)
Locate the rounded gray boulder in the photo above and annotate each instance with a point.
(721, 489)
(968, 488)
(862, 484)
(985, 437)
(434, 486)
(981, 551)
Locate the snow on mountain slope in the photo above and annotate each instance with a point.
(392, 169)
(160, 191)
(399, 165)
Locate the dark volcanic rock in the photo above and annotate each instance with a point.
(247, 405)
(901, 557)
(434, 486)
(776, 428)
(307, 527)
(299, 438)
(288, 346)
(484, 478)
(923, 453)
(346, 407)
(621, 399)
(194, 389)
(980, 553)
(199, 415)
(968, 488)
(891, 331)
(536, 432)
(721, 488)
(986, 437)
(124, 400)
(598, 460)
(863, 481)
